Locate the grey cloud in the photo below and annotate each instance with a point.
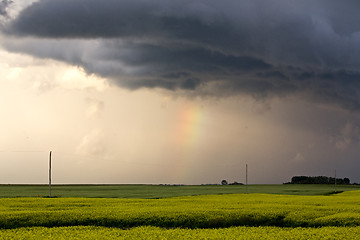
(347, 136)
(4, 5)
(340, 86)
(191, 83)
(262, 48)
(273, 74)
(176, 75)
(189, 58)
(112, 18)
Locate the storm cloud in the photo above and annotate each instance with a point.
(261, 48)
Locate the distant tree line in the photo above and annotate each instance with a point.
(318, 180)
(224, 182)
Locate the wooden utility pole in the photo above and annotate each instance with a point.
(50, 174)
(335, 180)
(246, 180)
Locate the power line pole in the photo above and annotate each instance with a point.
(50, 174)
(335, 180)
(246, 180)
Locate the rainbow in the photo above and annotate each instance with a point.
(189, 130)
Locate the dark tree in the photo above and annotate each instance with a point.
(318, 180)
(224, 182)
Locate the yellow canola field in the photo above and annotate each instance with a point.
(233, 216)
(207, 211)
(146, 232)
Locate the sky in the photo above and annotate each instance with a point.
(179, 92)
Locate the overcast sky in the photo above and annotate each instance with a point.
(181, 91)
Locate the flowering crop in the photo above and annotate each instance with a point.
(147, 232)
(209, 211)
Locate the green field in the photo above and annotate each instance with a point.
(163, 191)
(144, 212)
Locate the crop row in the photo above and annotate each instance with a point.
(211, 211)
(91, 232)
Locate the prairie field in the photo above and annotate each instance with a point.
(164, 191)
(215, 216)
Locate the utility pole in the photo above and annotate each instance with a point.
(50, 174)
(335, 180)
(246, 180)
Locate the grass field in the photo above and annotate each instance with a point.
(162, 191)
(127, 214)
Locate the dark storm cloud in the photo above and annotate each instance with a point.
(258, 47)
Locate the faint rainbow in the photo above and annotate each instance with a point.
(189, 132)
